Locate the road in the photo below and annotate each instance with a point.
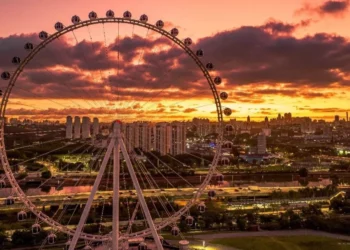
(57, 199)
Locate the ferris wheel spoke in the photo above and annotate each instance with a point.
(153, 185)
(140, 195)
(66, 85)
(77, 167)
(85, 60)
(36, 157)
(199, 157)
(144, 184)
(36, 95)
(79, 182)
(141, 54)
(151, 182)
(19, 104)
(160, 172)
(116, 183)
(180, 162)
(34, 144)
(63, 202)
(104, 200)
(132, 219)
(171, 169)
(100, 72)
(70, 202)
(42, 97)
(132, 145)
(34, 132)
(106, 54)
(92, 194)
(144, 88)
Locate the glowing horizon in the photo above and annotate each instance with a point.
(284, 58)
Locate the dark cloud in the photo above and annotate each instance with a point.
(331, 7)
(129, 46)
(123, 111)
(266, 113)
(251, 55)
(189, 110)
(278, 27)
(325, 110)
(248, 57)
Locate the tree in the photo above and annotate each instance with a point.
(303, 182)
(252, 218)
(241, 223)
(201, 224)
(184, 227)
(303, 172)
(312, 209)
(26, 238)
(22, 175)
(335, 180)
(3, 236)
(46, 174)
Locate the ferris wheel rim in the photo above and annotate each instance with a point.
(4, 160)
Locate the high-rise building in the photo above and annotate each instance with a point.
(202, 126)
(347, 116)
(161, 140)
(69, 127)
(14, 121)
(261, 143)
(248, 118)
(77, 127)
(178, 138)
(128, 130)
(139, 135)
(288, 116)
(336, 118)
(162, 137)
(144, 136)
(86, 124)
(95, 127)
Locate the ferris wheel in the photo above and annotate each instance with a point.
(116, 160)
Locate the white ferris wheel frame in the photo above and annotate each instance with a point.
(5, 163)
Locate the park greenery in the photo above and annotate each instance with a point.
(283, 242)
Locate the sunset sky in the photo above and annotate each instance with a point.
(274, 57)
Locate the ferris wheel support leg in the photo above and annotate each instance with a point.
(140, 195)
(92, 194)
(132, 218)
(116, 173)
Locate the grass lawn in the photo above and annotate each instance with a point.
(284, 243)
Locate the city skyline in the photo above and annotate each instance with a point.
(270, 64)
(253, 119)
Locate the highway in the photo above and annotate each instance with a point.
(256, 194)
(80, 198)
